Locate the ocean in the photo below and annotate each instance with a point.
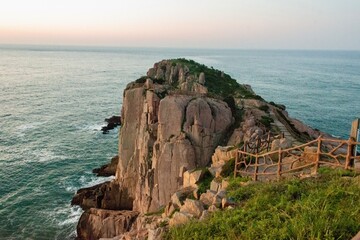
(54, 100)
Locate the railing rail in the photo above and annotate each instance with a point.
(307, 157)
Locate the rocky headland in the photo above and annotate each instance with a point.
(180, 124)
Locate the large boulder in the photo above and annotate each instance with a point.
(180, 218)
(223, 154)
(99, 223)
(282, 143)
(194, 207)
(191, 178)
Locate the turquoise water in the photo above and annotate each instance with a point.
(53, 101)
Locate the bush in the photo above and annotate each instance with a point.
(228, 168)
(264, 108)
(266, 121)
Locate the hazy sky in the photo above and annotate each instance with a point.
(259, 24)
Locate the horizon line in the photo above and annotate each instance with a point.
(48, 45)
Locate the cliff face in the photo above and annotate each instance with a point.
(165, 133)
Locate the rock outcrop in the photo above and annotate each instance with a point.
(172, 120)
(112, 123)
(169, 126)
(107, 169)
(99, 223)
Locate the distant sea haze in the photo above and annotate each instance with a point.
(54, 99)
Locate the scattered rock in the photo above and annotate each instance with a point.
(217, 201)
(178, 197)
(222, 155)
(112, 123)
(194, 207)
(282, 143)
(208, 197)
(180, 218)
(224, 184)
(190, 178)
(215, 185)
(107, 169)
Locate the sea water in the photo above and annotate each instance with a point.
(53, 101)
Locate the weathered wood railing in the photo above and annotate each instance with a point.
(305, 158)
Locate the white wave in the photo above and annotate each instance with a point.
(91, 127)
(45, 155)
(93, 180)
(71, 189)
(73, 216)
(84, 182)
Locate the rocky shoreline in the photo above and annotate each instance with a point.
(112, 123)
(171, 162)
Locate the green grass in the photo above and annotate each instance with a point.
(322, 208)
(205, 182)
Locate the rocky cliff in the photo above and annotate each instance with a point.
(172, 120)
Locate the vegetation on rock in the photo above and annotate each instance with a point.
(217, 82)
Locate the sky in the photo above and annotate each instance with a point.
(243, 24)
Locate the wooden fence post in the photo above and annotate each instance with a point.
(279, 164)
(256, 168)
(349, 161)
(236, 162)
(268, 142)
(318, 155)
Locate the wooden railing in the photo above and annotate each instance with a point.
(306, 158)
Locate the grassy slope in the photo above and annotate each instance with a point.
(323, 208)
